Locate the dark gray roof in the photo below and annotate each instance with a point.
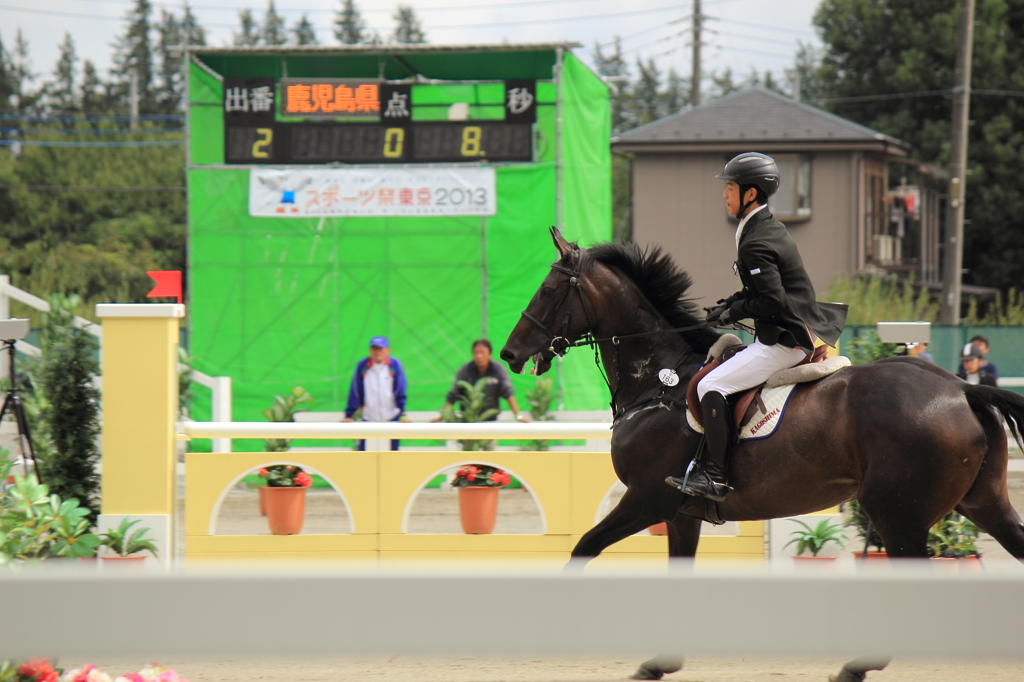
(755, 115)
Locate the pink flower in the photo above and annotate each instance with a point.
(303, 480)
(263, 472)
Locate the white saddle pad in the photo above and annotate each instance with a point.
(762, 424)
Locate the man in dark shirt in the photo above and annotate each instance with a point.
(498, 383)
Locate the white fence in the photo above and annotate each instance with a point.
(899, 612)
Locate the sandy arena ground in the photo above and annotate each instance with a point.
(437, 512)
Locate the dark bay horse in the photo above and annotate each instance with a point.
(905, 438)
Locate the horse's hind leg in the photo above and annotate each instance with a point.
(987, 503)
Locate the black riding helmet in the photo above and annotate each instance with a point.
(751, 169)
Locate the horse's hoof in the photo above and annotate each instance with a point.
(656, 668)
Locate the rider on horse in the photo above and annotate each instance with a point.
(777, 294)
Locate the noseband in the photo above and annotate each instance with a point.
(560, 345)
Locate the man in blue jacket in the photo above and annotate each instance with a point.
(378, 387)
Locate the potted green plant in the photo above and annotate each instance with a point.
(857, 519)
(127, 545)
(284, 409)
(539, 400)
(469, 411)
(285, 497)
(953, 538)
(36, 525)
(812, 540)
(478, 486)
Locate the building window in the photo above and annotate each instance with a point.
(793, 200)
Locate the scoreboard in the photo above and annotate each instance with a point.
(354, 121)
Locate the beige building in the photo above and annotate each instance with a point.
(836, 197)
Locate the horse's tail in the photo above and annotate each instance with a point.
(1007, 403)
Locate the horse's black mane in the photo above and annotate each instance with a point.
(656, 275)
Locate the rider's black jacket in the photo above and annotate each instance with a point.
(777, 293)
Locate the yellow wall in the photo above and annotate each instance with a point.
(379, 487)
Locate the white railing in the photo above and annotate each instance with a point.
(898, 612)
(400, 430)
(219, 386)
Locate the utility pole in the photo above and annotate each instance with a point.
(952, 258)
(133, 98)
(698, 19)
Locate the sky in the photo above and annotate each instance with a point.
(740, 34)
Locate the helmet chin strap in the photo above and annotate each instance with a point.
(744, 205)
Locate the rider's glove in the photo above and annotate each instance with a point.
(725, 317)
(717, 315)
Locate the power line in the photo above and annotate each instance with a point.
(766, 27)
(76, 188)
(89, 118)
(133, 143)
(92, 131)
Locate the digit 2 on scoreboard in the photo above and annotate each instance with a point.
(249, 144)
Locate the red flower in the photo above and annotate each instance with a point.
(303, 480)
(473, 470)
(38, 669)
(471, 477)
(263, 472)
(500, 478)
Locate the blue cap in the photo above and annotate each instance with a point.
(379, 341)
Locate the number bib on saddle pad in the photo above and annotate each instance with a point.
(763, 423)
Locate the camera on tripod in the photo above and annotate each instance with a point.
(12, 331)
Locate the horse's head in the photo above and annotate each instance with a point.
(557, 315)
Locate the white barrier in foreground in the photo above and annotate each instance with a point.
(401, 430)
(910, 613)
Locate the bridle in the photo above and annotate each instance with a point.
(560, 345)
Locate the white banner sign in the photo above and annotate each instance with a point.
(304, 193)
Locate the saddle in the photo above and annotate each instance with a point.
(744, 403)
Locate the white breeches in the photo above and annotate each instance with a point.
(750, 367)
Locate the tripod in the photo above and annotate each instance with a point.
(13, 401)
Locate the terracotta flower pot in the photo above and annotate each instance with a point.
(873, 556)
(658, 529)
(478, 509)
(286, 509)
(263, 500)
(827, 563)
(134, 562)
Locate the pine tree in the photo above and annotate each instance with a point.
(134, 55)
(7, 82)
(303, 32)
(724, 83)
(273, 31)
(191, 32)
(169, 46)
(72, 416)
(615, 70)
(91, 98)
(21, 69)
(348, 25)
(677, 93)
(249, 34)
(408, 29)
(646, 98)
(60, 92)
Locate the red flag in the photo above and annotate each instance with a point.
(168, 283)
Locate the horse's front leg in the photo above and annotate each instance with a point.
(683, 536)
(631, 515)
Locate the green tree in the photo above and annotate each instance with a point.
(348, 24)
(60, 92)
(133, 54)
(273, 31)
(91, 97)
(72, 416)
(248, 34)
(723, 84)
(23, 76)
(881, 51)
(646, 96)
(408, 29)
(613, 67)
(8, 86)
(303, 33)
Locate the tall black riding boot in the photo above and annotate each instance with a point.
(712, 481)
